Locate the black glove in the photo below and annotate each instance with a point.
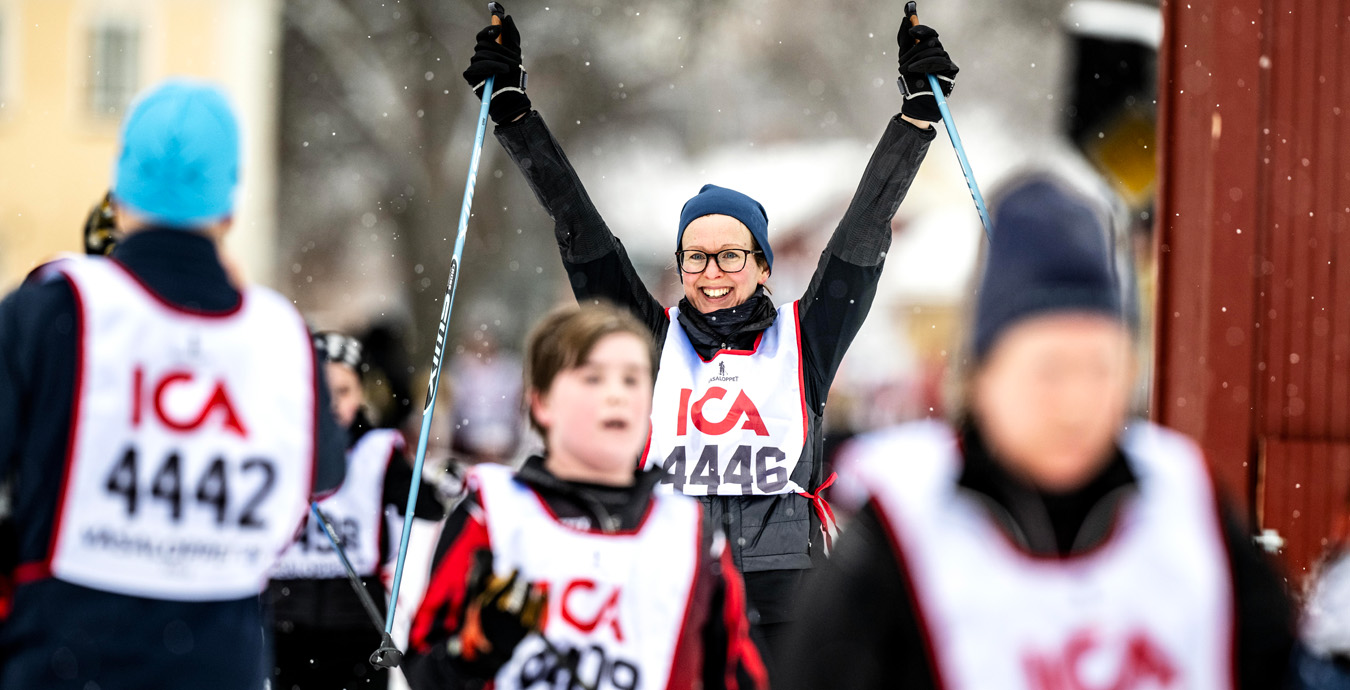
(498, 613)
(917, 61)
(501, 61)
(100, 228)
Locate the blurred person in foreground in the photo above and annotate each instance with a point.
(740, 395)
(162, 430)
(572, 571)
(1047, 541)
(323, 635)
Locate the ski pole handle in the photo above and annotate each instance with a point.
(497, 12)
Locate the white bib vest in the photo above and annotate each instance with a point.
(734, 425)
(1151, 608)
(356, 511)
(618, 601)
(192, 448)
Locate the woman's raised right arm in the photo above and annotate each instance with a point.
(596, 263)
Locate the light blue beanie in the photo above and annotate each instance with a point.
(179, 161)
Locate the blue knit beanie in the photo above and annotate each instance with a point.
(1048, 253)
(179, 161)
(714, 200)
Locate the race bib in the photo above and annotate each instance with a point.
(734, 425)
(192, 450)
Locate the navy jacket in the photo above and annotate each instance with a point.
(59, 635)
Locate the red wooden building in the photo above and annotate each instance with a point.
(1253, 242)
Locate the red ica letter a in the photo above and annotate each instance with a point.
(741, 407)
(220, 398)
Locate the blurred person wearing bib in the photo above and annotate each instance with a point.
(1045, 541)
(162, 429)
(322, 634)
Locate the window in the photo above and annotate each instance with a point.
(114, 68)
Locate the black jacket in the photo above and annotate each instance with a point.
(61, 635)
(729, 659)
(862, 631)
(769, 532)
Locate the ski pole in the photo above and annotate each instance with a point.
(388, 655)
(361, 592)
(912, 15)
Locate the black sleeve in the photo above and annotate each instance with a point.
(10, 409)
(38, 334)
(1264, 612)
(11, 400)
(612, 277)
(841, 291)
(730, 658)
(715, 642)
(398, 484)
(330, 452)
(39, 361)
(597, 265)
(10, 420)
(857, 628)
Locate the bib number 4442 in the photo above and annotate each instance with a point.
(233, 494)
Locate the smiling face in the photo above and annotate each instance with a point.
(1052, 395)
(712, 289)
(595, 415)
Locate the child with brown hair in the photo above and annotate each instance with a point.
(571, 570)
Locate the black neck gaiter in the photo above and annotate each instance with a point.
(731, 328)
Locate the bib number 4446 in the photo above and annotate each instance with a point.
(745, 472)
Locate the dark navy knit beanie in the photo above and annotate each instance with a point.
(1048, 252)
(714, 200)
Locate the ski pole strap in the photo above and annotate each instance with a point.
(829, 526)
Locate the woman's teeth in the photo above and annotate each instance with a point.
(716, 292)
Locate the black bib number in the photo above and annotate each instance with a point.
(232, 493)
(312, 537)
(745, 471)
(550, 670)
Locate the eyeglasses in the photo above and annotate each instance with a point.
(728, 260)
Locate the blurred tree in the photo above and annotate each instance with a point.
(377, 125)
